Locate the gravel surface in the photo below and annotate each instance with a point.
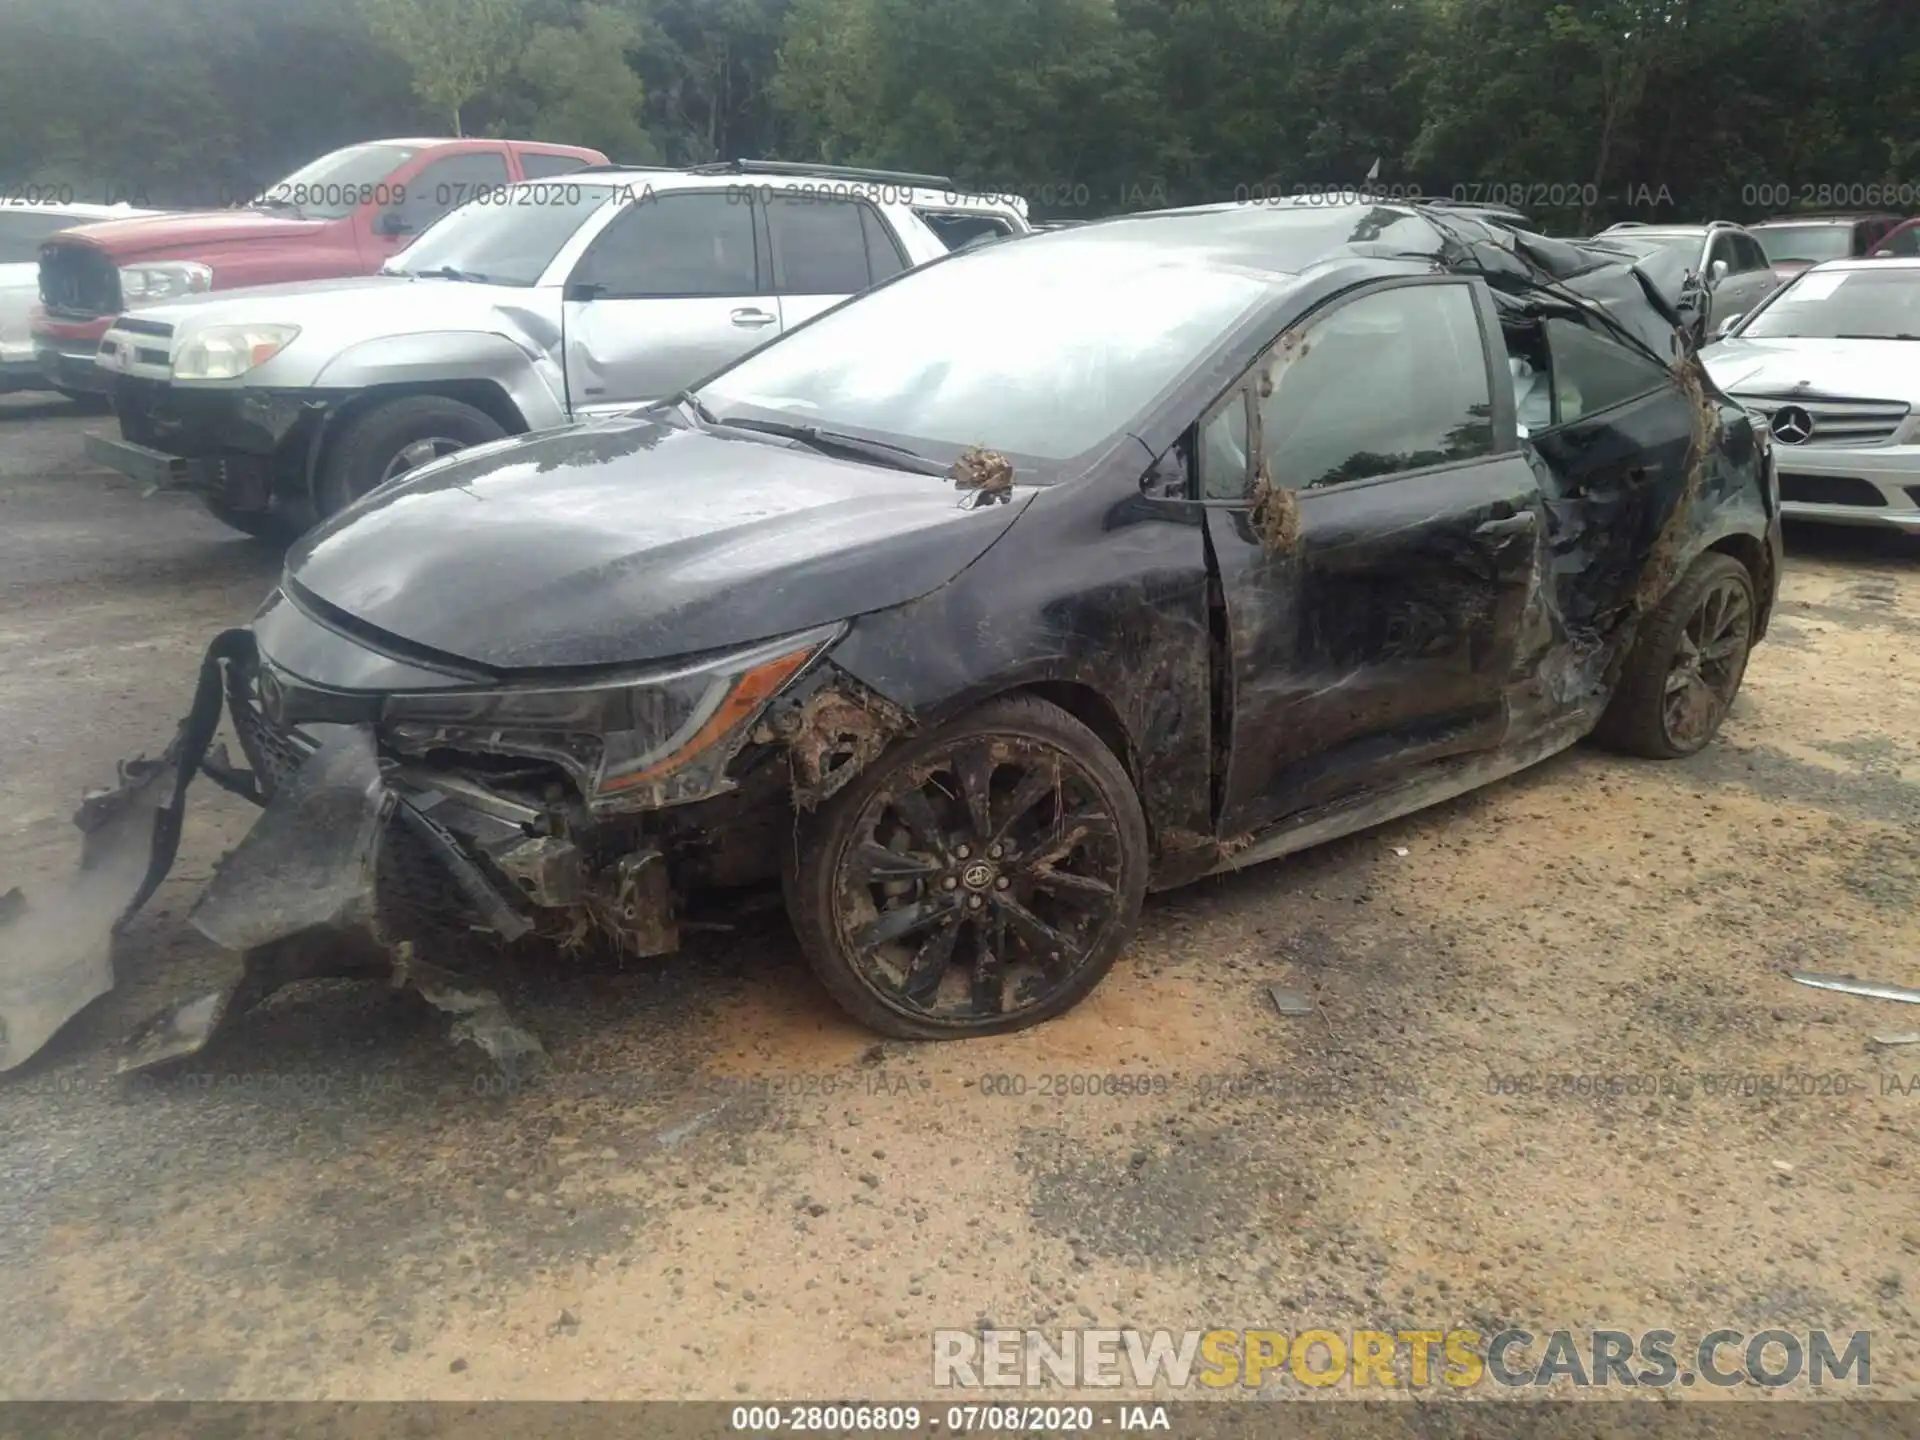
(1556, 1078)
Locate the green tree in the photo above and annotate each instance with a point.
(457, 48)
(583, 88)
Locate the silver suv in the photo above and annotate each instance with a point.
(1712, 273)
(527, 308)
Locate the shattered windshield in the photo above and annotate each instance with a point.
(1038, 350)
(1880, 304)
(1811, 243)
(508, 238)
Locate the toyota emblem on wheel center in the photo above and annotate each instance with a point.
(1792, 425)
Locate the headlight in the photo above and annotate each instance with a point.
(662, 737)
(168, 280)
(227, 351)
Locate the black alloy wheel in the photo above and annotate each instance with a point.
(1687, 664)
(978, 880)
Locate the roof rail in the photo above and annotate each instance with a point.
(831, 172)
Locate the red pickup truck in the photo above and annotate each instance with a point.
(343, 214)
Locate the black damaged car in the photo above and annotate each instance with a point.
(1046, 576)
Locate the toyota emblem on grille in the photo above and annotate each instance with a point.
(1792, 425)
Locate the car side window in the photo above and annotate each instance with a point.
(21, 234)
(1224, 472)
(1593, 371)
(1393, 381)
(884, 259)
(673, 246)
(1722, 249)
(957, 230)
(819, 247)
(448, 184)
(540, 164)
(1747, 254)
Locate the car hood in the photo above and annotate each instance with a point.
(148, 237)
(1853, 369)
(389, 304)
(632, 540)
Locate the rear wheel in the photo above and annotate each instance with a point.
(1686, 664)
(977, 880)
(393, 438)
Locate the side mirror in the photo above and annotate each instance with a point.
(1166, 478)
(1717, 272)
(1725, 327)
(391, 222)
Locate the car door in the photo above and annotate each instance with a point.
(673, 288)
(1613, 455)
(1375, 528)
(1749, 282)
(825, 248)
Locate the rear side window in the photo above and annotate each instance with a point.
(1390, 382)
(21, 234)
(674, 247)
(1747, 253)
(1592, 371)
(539, 164)
(819, 245)
(448, 184)
(956, 230)
(884, 259)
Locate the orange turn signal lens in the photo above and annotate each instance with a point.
(754, 688)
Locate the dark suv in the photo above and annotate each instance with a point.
(1793, 242)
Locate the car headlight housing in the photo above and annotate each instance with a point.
(654, 739)
(225, 352)
(163, 280)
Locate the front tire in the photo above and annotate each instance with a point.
(1686, 665)
(393, 438)
(973, 881)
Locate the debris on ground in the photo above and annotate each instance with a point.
(13, 904)
(1291, 1002)
(986, 471)
(1867, 989)
(1904, 1037)
(480, 1015)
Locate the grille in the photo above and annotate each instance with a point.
(1835, 421)
(1830, 490)
(78, 281)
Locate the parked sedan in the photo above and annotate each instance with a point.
(1834, 361)
(23, 225)
(1041, 577)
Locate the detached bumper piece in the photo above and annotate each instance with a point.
(341, 876)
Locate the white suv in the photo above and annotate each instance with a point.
(526, 308)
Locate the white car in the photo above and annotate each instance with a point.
(23, 226)
(1832, 360)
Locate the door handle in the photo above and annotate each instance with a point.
(752, 319)
(1506, 525)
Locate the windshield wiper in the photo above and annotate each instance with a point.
(448, 272)
(834, 441)
(686, 399)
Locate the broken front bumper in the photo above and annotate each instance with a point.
(344, 874)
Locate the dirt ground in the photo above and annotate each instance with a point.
(727, 1190)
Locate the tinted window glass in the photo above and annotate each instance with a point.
(884, 259)
(1224, 473)
(538, 164)
(1811, 243)
(21, 234)
(957, 230)
(448, 184)
(1748, 254)
(1723, 250)
(818, 245)
(675, 245)
(1592, 371)
(1390, 382)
